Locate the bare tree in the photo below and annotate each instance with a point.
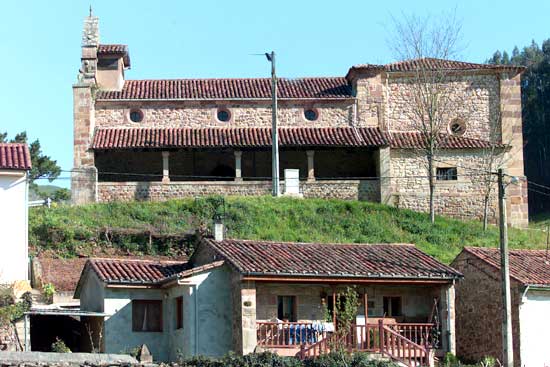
(425, 41)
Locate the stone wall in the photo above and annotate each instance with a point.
(479, 310)
(462, 198)
(155, 191)
(198, 115)
(45, 359)
(472, 98)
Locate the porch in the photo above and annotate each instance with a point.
(405, 322)
(138, 174)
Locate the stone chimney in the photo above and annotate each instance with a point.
(90, 43)
(219, 228)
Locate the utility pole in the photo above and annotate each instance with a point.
(274, 132)
(507, 344)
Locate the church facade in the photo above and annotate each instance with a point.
(350, 137)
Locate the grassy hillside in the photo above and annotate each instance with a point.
(67, 231)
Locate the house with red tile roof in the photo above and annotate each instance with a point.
(479, 305)
(348, 137)
(15, 162)
(244, 296)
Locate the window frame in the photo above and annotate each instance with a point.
(446, 177)
(294, 311)
(146, 302)
(388, 306)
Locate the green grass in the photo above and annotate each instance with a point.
(69, 230)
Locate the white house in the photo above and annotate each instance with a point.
(15, 161)
(479, 305)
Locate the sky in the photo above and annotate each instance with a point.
(208, 39)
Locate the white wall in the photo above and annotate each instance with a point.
(534, 316)
(13, 227)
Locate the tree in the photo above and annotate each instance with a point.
(432, 101)
(42, 165)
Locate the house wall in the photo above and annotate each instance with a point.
(479, 311)
(535, 328)
(417, 301)
(204, 114)
(461, 199)
(14, 262)
(207, 316)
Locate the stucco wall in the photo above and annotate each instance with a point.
(14, 262)
(535, 328)
(207, 315)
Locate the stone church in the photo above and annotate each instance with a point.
(350, 137)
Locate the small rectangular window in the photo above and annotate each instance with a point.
(146, 315)
(179, 312)
(286, 308)
(446, 174)
(107, 64)
(392, 306)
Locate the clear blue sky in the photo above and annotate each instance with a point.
(196, 39)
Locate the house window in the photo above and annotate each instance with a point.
(146, 315)
(457, 127)
(179, 312)
(136, 115)
(311, 114)
(223, 115)
(107, 64)
(446, 174)
(392, 306)
(286, 308)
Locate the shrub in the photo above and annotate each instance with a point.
(59, 346)
(48, 290)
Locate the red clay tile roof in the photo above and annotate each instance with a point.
(413, 140)
(15, 156)
(429, 63)
(115, 49)
(62, 273)
(216, 89)
(529, 267)
(125, 271)
(385, 261)
(114, 138)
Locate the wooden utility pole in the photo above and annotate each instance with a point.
(274, 132)
(507, 339)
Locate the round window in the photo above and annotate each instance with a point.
(457, 127)
(311, 114)
(136, 115)
(223, 115)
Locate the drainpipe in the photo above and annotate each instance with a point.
(27, 226)
(448, 295)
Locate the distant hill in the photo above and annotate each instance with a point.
(48, 189)
(163, 228)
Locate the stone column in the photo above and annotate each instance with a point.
(448, 333)
(238, 170)
(248, 312)
(310, 165)
(165, 167)
(384, 172)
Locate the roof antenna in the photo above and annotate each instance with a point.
(91, 13)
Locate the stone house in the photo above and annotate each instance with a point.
(479, 305)
(15, 162)
(350, 137)
(245, 296)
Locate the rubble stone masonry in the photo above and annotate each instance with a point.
(479, 311)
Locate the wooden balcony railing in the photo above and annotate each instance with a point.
(289, 334)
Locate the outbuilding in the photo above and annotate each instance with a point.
(479, 305)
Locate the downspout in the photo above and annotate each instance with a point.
(524, 293)
(448, 295)
(196, 319)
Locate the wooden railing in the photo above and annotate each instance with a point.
(391, 340)
(400, 348)
(289, 334)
